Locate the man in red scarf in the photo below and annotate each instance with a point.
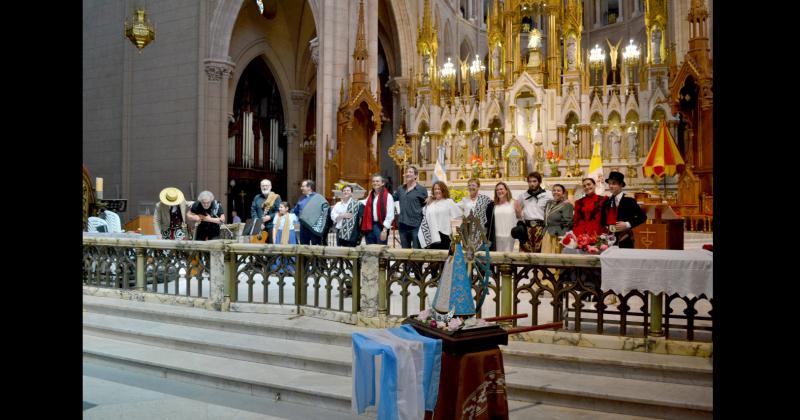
(378, 213)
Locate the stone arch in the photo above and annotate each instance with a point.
(223, 19)
(447, 41)
(572, 118)
(659, 114)
(614, 117)
(261, 47)
(405, 28)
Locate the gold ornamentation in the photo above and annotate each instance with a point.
(141, 32)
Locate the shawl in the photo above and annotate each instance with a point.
(348, 225)
(313, 212)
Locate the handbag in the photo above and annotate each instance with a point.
(520, 232)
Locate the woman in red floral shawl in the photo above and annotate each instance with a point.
(587, 210)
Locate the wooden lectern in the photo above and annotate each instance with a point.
(145, 222)
(471, 360)
(663, 230)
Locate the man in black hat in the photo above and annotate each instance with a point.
(620, 214)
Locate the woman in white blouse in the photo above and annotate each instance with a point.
(479, 204)
(347, 215)
(505, 218)
(436, 229)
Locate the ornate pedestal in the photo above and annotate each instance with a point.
(472, 383)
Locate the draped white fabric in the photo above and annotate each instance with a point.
(685, 272)
(407, 376)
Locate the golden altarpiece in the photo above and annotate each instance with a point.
(499, 115)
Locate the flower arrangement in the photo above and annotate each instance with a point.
(476, 159)
(590, 243)
(458, 193)
(454, 324)
(553, 158)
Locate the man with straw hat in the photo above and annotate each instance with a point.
(169, 218)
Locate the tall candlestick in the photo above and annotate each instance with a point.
(98, 187)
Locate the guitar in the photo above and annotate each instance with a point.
(261, 237)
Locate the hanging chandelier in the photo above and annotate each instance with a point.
(140, 31)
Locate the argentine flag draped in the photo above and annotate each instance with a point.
(438, 172)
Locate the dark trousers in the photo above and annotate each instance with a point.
(408, 236)
(307, 237)
(374, 237)
(443, 244)
(344, 242)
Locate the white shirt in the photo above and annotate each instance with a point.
(337, 210)
(389, 210)
(533, 208)
(440, 213)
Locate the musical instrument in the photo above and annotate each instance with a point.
(261, 237)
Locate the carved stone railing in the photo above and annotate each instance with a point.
(387, 284)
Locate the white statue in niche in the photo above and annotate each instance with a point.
(571, 53)
(424, 148)
(655, 44)
(572, 134)
(476, 141)
(462, 148)
(616, 142)
(448, 143)
(597, 138)
(633, 142)
(496, 58)
(426, 67)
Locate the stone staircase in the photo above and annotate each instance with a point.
(308, 361)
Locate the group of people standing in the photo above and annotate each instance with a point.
(537, 217)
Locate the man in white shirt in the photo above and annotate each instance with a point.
(378, 213)
(530, 208)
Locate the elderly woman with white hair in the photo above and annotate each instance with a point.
(209, 213)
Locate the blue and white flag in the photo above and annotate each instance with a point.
(438, 172)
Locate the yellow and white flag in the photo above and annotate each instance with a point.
(596, 170)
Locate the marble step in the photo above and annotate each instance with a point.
(201, 401)
(302, 355)
(612, 395)
(666, 368)
(274, 382)
(289, 327)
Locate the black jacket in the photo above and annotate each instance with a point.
(490, 226)
(628, 211)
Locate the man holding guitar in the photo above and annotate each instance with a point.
(265, 208)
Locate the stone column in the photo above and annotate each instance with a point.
(585, 135)
(373, 304)
(336, 36)
(506, 290)
(294, 152)
(220, 274)
(140, 281)
(212, 148)
(647, 136)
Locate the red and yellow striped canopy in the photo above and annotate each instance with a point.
(664, 157)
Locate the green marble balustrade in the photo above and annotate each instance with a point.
(367, 264)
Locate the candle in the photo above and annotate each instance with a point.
(98, 185)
